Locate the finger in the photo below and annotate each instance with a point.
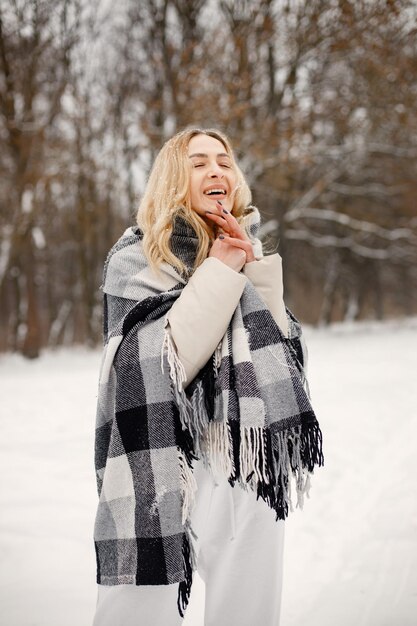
(239, 243)
(234, 226)
(235, 241)
(217, 218)
(222, 225)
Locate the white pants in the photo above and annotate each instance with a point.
(239, 557)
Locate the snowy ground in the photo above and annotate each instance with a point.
(350, 556)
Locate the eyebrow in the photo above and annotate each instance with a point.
(205, 156)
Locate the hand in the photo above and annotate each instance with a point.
(232, 233)
(231, 255)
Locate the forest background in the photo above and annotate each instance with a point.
(317, 96)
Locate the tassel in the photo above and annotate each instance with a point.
(184, 587)
(218, 444)
(311, 445)
(188, 486)
(252, 455)
(208, 389)
(176, 368)
(200, 416)
(178, 377)
(184, 440)
(194, 414)
(234, 446)
(217, 357)
(289, 454)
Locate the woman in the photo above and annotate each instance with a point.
(202, 415)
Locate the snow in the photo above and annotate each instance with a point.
(350, 555)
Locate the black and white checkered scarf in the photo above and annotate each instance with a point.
(246, 414)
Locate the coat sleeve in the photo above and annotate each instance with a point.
(266, 275)
(199, 318)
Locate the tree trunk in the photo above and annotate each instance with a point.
(32, 340)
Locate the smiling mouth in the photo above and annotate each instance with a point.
(215, 193)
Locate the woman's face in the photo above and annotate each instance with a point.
(212, 174)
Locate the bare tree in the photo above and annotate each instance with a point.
(317, 97)
(35, 43)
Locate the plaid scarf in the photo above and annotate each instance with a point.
(246, 414)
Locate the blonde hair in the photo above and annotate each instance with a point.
(167, 195)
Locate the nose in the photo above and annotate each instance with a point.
(215, 171)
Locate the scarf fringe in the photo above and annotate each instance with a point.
(252, 455)
(217, 357)
(267, 463)
(295, 453)
(217, 449)
(200, 415)
(189, 561)
(176, 368)
(188, 486)
(193, 414)
(178, 377)
(186, 453)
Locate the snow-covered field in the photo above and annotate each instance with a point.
(350, 556)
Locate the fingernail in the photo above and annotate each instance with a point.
(209, 212)
(219, 201)
(221, 236)
(224, 211)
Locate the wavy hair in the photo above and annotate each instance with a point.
(167, 195)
